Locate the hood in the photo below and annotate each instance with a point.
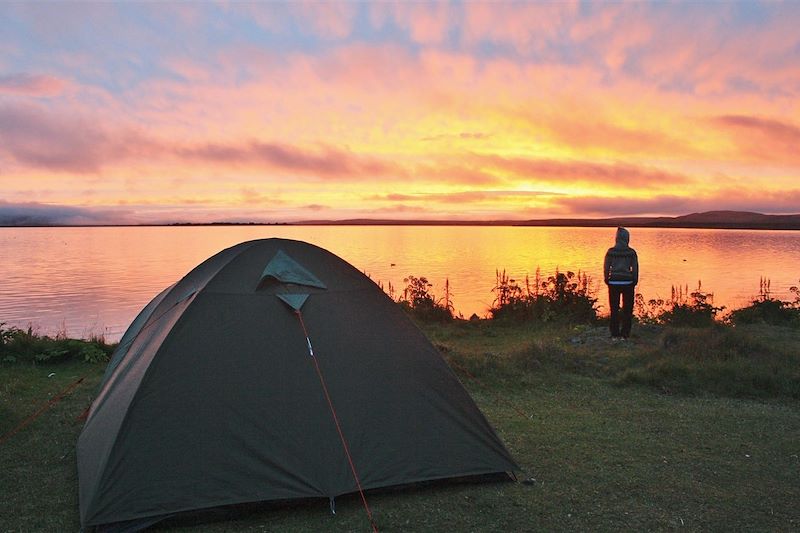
(623, 238)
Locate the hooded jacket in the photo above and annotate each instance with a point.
(621, 264)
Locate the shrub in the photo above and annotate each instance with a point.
(767, 310)
(17, 345)
(418, 300)
(691, 309)
(562, 296)
(511, 300)
(774, 312)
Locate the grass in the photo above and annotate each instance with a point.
(607, 450)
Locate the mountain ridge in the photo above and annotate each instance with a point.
(702, 220)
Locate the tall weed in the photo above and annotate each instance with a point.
(564, 296)
(683, 309)
(765, 309)
(418, 300)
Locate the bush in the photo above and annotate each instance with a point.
(774, 312)
(418, 300)
(767, 310)
(568, 297)
(684, 309)
(17, 346)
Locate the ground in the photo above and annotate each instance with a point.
(599, 454)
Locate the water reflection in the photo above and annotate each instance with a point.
(95, 280)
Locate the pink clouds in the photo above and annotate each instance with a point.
(427, 23)
(74, 143)
(774, 130)
(327, 20)
(764, 139)
(463, 197)
(31, 84)
(527, 26)
(782, 202)
(35, 137)
(324, 162)
(617, 174)
(588, 133)
(462, 100)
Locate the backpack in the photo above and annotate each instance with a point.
(621, 265)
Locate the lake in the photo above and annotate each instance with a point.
(94, 280)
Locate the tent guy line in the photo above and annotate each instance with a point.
(50, 403)
(335, 417)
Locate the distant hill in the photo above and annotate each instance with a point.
(709, 219)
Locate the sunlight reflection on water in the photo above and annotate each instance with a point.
(88, 281)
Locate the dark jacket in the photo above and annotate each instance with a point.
(621, 263)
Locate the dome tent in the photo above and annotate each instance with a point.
(212, 398)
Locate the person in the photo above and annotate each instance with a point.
(621, 274)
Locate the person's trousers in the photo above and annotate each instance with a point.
(621, 317)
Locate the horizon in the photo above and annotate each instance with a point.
(140, 113)
(706, 220)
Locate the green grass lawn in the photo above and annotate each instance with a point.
(606, 453)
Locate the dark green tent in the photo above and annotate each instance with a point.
(212, 397)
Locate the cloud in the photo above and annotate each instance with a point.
(463, 197)
(526, 26)
(618, 174)
(618, 100)
(62, 142)
(31, 84)
(326, 19)
(774, 129)
(464, 135)
(400, 208)
(324, 162)
(252, 196)
(583, 132)
(75, 143)
(323, 20)
(37, 214)
(426, 23)
(595, 206)
(443, 171)
(773, 202)
(763, 138)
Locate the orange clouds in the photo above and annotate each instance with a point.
(613, 175)
(765, 139)
(325, 162)
(511, 109)
(723, 199)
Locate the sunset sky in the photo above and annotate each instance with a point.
(278, 112)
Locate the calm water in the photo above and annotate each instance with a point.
(95, 280)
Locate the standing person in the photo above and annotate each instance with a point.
(621, 274)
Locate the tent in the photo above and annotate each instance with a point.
(274, 370)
